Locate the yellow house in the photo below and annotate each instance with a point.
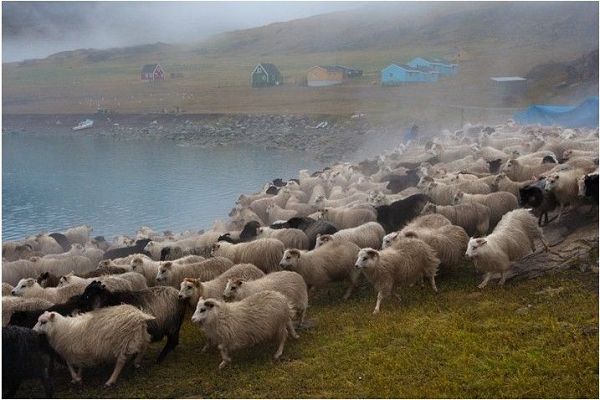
(325, 75)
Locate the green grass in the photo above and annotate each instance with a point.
(461, 342)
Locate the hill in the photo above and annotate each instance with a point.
(487, 39)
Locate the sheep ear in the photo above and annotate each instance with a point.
(168, 265)
(209, 303)
(239, 282)
(44, 275)
(481, 241)
(372, 253)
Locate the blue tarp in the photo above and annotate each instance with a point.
(583, 115)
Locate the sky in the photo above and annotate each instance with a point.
(38, 29)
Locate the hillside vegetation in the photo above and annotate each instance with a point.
(490, 39)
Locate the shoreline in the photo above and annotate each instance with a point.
(328, 138)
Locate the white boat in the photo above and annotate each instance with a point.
(88, 123)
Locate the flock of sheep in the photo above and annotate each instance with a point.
(481, 192)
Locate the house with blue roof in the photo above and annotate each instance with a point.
(444, 67)
(398, 74)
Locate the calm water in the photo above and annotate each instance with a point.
(50, 183)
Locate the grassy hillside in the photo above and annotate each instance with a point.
(493, 39)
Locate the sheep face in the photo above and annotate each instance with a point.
(103, 263)
(204, 310)
(323, 213)
(389, 239)
(164, 271)
(65, 280)
(322, 239)
(290, 259)
(551, 182)
(231, 288)
(429, 208)
(188, 287)
(458, 197)
(45, 321)
(475, 245)
(23, 286)
(214, 249)
(510, 166)
(367, 258)
(424, 181)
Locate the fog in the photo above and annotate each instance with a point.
(38, 29)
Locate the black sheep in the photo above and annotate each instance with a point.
(162, 302)
(536, 197)
(48, 279)
(279, 182)
(394, 216)
(295, 222)
(25, 355)
(272, 190)
(591, 186)
(138, 247)
(397, 183)
(248, 233)
(28, 319)
(61, 240)
(494, 166)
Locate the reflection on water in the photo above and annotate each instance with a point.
(50, 183)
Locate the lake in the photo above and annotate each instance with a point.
(52, 182)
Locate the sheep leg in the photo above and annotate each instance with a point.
(291, 330)
(206, 347)
(172, 342)
(282, 338)
(75, 378)
(121, 360)
(485, 281)
(224, 356)
(137, 362)
(301, 318)
(47, 383)
(432, 281)
(378, 304)
(560, 211)
(354, 277)
(502, 278)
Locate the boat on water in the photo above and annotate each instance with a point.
(88, 123)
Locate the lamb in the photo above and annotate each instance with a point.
(540, 200)
(518, 171)
(328, 263)
(6, 289)
(474, 218)
(395, 216)
(366, 235)
(25, 355)
(264, 253)
(512, 239)
(30, 288)
(291, 238)
(565, 188)
(170, 274)
(288, 283)
(503, 183)
(106, 334)
(192, 289)
(78, 234)
(499, 203)
(138, 247)
(347, 217)
(13, 304)
(227, 325)
(161, 302)
(408, 261)
(276, 213)
(449, 242)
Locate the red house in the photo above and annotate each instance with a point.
(153, 72)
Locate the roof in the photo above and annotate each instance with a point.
(437, 61)
(414, 69)
(149, 68)
(507, 78)
(271, 69)
(330, 68)
(347, 68)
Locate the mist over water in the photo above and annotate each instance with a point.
(51, 183)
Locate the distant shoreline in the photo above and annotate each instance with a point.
(327, 138)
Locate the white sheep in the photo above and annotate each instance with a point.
(78, 234)
(288, 283)
(29, 287)
(512, 239)
(499, 203)
(275, 213)
(519, 171)
(365, 235)
(77, 264)
(264, 253)
(330, 262)
(565, 188)
(344, 218)
(12, 304)
(474, 218)
(172, 274)
(227, 325)
(99, 336)
(503, 183)
(6, 289)
(121, 282)
(291, 238)
(449, 242)
(192, 289)
(405, 263)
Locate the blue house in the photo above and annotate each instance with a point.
(444, 67)
(397, 74)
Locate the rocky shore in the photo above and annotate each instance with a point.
(327, 138)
